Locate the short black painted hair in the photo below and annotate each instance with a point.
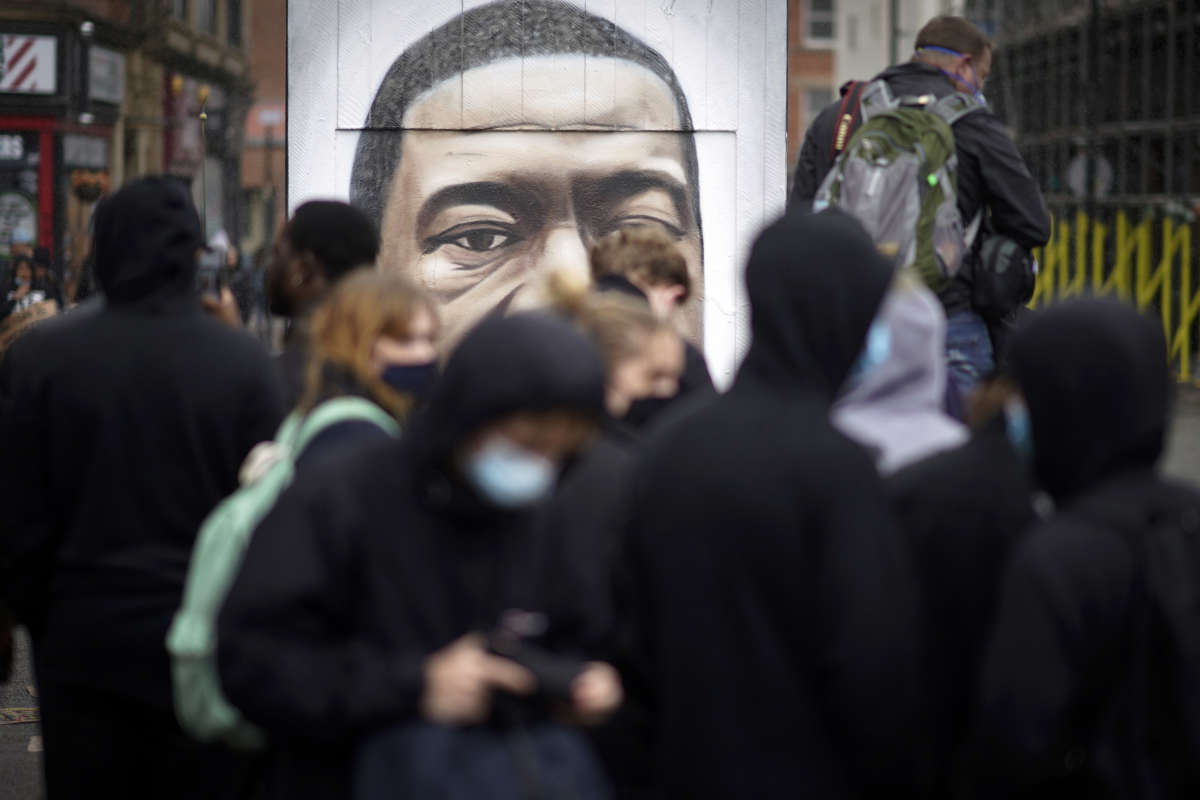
(481, 36)
(341, 237)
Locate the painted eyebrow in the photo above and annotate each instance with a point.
(518, 202)
(629, 183)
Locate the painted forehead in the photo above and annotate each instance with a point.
(556, 92)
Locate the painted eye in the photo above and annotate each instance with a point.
(483, 240)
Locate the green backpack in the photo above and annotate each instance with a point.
(200, 705)
(898, 175)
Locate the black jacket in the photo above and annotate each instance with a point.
(1057, 710)
(776, 619)
(991, 173)
(961, 512)
(367, 566)
(125, 422)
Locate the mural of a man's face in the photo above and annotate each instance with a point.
(490, 195)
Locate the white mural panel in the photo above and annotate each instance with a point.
(494, 140)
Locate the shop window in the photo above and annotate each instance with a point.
(206, 16)
(179, 9)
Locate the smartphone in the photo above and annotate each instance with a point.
(208, 273)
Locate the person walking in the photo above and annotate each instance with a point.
(994, 184)
(124, 424)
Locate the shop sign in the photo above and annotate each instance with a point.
(12, 147)
(85, 151)
(28, 64)
(106, 75)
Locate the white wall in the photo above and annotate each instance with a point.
(730, 59)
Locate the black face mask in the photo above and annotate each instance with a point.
(414, 379)
(643, 411)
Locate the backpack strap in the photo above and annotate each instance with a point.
(954, 107)
(340, 409)
(851, 101)
(876, 99)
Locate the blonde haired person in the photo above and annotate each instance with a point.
(374, 337)
(646, 264)
(643, 354)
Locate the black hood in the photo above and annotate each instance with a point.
(815, 283)
(147, 235)
(1095, 378)
(526, 362)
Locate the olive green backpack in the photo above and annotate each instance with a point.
(898, 175)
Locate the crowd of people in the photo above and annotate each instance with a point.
(550, 567)
(551, 560)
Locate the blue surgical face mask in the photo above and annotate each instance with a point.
(976, 86)
(1019, 428)
(414, 379)
(875, 352)
(509, 475)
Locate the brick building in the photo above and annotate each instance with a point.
(264, 153)
(93, 92)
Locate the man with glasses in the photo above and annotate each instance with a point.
(951, 55)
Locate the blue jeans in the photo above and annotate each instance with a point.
(968, 358)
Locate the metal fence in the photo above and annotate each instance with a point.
(1103, 99)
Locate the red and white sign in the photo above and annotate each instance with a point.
(28, 64)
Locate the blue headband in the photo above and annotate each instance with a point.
(945, 50)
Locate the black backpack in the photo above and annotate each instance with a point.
(1150, 731)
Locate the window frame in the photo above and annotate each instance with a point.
(812, 15)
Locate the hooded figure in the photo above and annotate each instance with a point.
(370, 568)
(895, 408)
(126, 423)
(777, 623)
(962, 511)
(1064, 708)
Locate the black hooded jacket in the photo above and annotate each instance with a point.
(962, 512)
(991, 173)
(776, 620)
(1051, 720)
(125, 422)
(367, 566)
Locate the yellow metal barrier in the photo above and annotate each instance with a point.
(1083, 256)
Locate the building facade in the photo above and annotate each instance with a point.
(831, 42)
(94, 92)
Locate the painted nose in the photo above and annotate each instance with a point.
(562, 249)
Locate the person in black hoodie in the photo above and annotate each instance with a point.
(776, 618)
(324, 241)
(1063, 713)
(125, 423)
(365, 594)
(962, 512)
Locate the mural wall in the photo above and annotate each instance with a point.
(492, 141)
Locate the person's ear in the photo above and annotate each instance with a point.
(308, 274)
